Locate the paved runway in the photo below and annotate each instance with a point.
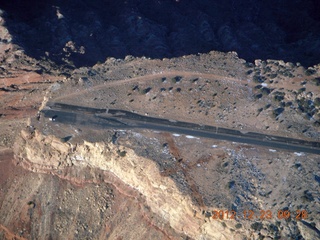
(121, 119)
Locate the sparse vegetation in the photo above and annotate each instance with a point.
(249, 72)
(136, 87)
(176, 79)
(146, 90)
(265, 91)
(307, 107)
(249, 64)
(310, 71)
(257, 226)
(259, 79)
(272, 75)
(66, 139)
(122, 153)
(277, 111)
(286, 73)
(307, 195)
(267, 106)
(258, 96)
(279, 96)
(288, 104)
(301, 90)
(316, 81)
(231, 184)
(238, 226)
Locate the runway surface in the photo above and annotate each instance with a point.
(121, 119)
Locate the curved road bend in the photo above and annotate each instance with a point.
(121, 119)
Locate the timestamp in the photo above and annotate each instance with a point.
(262, 214)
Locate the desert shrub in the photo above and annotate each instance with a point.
(272, 75)
(66, 139)
(249, 72)
(279, 96)
(301, 90)
(258, 96)
(265, 91)
(288, 104)
(249, 64)
(267, 106)
(308, 196)
(282, 104)
(267, 69)
(316, 124)
(257, 226)
(287, 73)
(310, 71)
(278, 111)
(146, 90)
(238, 225)
(231, 184)
(176, 79)
(316, 81)
(259, 79)
(306, 106)
(121, 153)
(136, 87)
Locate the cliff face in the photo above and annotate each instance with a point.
(47, 154)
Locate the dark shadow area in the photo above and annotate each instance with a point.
(84, 32)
